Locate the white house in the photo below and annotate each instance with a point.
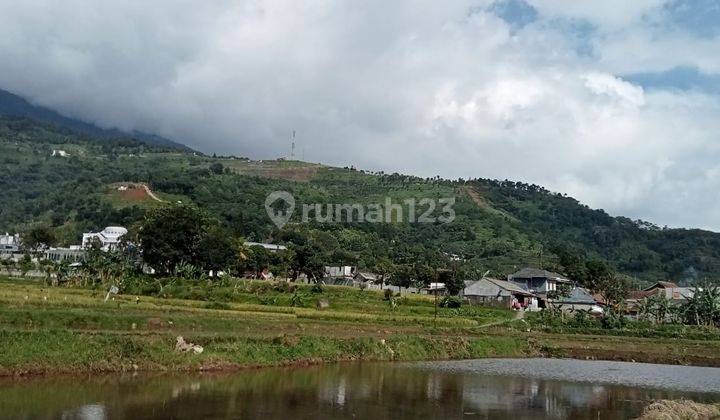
(9, 243)
(269, 247)
(109, 237)
(61, 153)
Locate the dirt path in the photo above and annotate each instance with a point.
(152, 194)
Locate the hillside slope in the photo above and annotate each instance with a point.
(12, 105)
(500, 225)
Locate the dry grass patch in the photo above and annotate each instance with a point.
(680, 410)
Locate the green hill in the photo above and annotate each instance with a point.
(500, 225)
(12, 105)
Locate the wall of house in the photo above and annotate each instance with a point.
(490, 301)
(537, 285)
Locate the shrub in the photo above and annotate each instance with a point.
(387, 294)
(613, 321)
(450, 302)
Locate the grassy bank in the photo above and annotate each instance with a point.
(37, 352)
(47, 330)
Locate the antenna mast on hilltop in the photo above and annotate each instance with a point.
(292, 149)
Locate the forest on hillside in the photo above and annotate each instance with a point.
(500, 225)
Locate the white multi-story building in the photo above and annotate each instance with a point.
(109, 237)
(9, 244)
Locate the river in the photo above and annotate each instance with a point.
(489, 388)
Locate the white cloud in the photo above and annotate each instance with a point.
(421, 87)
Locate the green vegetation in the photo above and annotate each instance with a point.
(500, 225)
(60, 329)
(242, 323)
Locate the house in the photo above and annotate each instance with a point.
(579, 299)
(269, 247)
(9, 244)
(663, 288)
(74, 254)
(535, 280)
(340, 275)
(365, 278)
(434, 289)
(669, 290)
(109, 238)
(500, 293)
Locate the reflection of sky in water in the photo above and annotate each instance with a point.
(686, 378)
(521, 389)
(88, 412)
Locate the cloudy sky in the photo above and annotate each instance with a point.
(616, 103)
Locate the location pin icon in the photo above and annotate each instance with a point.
(280, 217)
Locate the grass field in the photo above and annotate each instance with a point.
(245, 323)
(65, 329)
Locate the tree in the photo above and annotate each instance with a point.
(403, 275)
(424, 275)
(171, 234)
(217, 168)
(38, 237)
(383, 267)
(26, 264)
(704, 306)
(216, 250)
(8, 264)
(660, 307)
(308, 259)
(258, 261)
(602, 280)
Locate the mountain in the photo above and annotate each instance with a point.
(500, 226)
(15, 106)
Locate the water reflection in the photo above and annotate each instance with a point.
(359, 391)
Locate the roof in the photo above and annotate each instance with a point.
(579, 295)
(270, 247)
(531, 273)
(366, 275)
(510, 287)
(662, 285)
(641, 294)
(674, 293)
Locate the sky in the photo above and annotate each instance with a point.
(616, 103)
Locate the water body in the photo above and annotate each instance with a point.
(487, 389)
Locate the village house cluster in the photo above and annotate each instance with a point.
(108, 239)
(530, 289)
(527, 289)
